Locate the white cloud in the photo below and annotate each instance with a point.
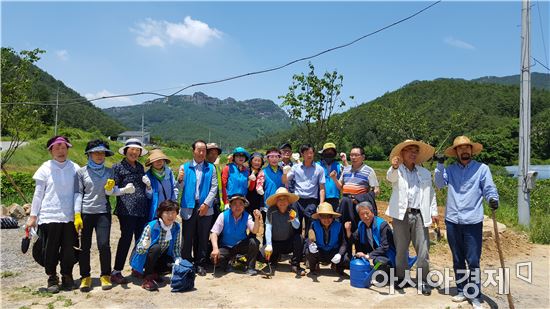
(160, 32)
(111, 102)
(62, 54)
(458, 43)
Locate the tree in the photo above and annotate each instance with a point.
(310, 102)
(20, 121)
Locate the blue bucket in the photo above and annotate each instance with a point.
(360, 273)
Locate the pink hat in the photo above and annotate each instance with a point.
(59, 140)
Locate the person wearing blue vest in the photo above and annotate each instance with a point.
(159, 181)
(235, 175)
(158, 246)
(333, 170)
(199, 186)
(229, 238)
(373, 239)
(326, 241)
(270, 177)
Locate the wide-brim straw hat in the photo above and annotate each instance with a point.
(155, 155)
(425, 151)
(325, 209)
(239, 197)
(133, 142)
(463, 140)
(272, 200)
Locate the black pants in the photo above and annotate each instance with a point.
(325, 256)
(102, 225)
(294, 244)
(306, 208)
(157, 261)
(129, 226)
(334, 202)
(195, 232)
(248, 246)
(58, 241)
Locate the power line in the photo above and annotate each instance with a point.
(548, 69)
(250, 73)
(542, 36)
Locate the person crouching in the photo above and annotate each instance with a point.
(158, 246)
(231, 225)
(326, 241)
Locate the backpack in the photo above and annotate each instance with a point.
(183, 276)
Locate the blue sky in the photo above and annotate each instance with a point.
(102, 48)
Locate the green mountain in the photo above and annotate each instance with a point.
(436, 112)
(186, 118)
(74, 110)
(538, 80)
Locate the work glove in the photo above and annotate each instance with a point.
(336, 259)
(109, 186)
(296, 157)
(260, 191)
(146, 181)
(313, 248)
(128, 189)
(78, 224)
(252, 177)
(440, 158)
(268, 251)
(292, 214)
(493, 203)
(286, 169)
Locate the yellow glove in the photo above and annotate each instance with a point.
(109, 185)
(292, 214)
(78, 224)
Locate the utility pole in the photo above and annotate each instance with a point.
(56, 111)
(142, 129)
(525, 117)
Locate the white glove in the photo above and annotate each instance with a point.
(129, 189)
(286, 169)
(260, 191)
(296, 156)
(146, 181)
(252, 177)
(313, 247)
(336, 259)
(268, 248)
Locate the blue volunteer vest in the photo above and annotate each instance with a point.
(237, 181)
(156, 186)
(331, 191)
(334, 235)
(190, 183)
(233, 232)
(137, 261)
(376, 223)
(273, 181)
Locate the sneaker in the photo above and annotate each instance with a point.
(137, 274)
(426, 290)
(53, 284)
(201, 271)
(86, 284)
(149, 284)
(476, 303)
(105, 282)
(458, 298)
(251, 272)
(118, 278)
(67, 282)
(298, 270)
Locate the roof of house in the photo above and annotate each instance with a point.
(133, 133)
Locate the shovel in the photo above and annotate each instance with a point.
(437, 231)
(26, 241)
(501, 256)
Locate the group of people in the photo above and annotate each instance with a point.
(258, 207)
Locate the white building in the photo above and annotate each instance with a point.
(145, 137)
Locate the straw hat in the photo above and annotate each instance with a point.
(155, 155)
(214, 146)
(328, 146)
(238, 197)
(325, 209)
(133, 142)
(425, 153)
(272, 200)
(463, 140)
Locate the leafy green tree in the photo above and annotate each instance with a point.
(310, 102)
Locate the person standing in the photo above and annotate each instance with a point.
(199, 186)
(52, 211)
(333, 170)
(413, 208)
(235, 175)
(160, 181)
(132, 207)
(309, 179)
(468, 182)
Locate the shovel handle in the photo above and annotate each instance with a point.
(27, 232)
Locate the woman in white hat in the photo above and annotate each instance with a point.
(131, 209)
(160, 181)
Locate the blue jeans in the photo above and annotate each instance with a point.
(465, 243)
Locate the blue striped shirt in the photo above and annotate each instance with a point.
(467, 186)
